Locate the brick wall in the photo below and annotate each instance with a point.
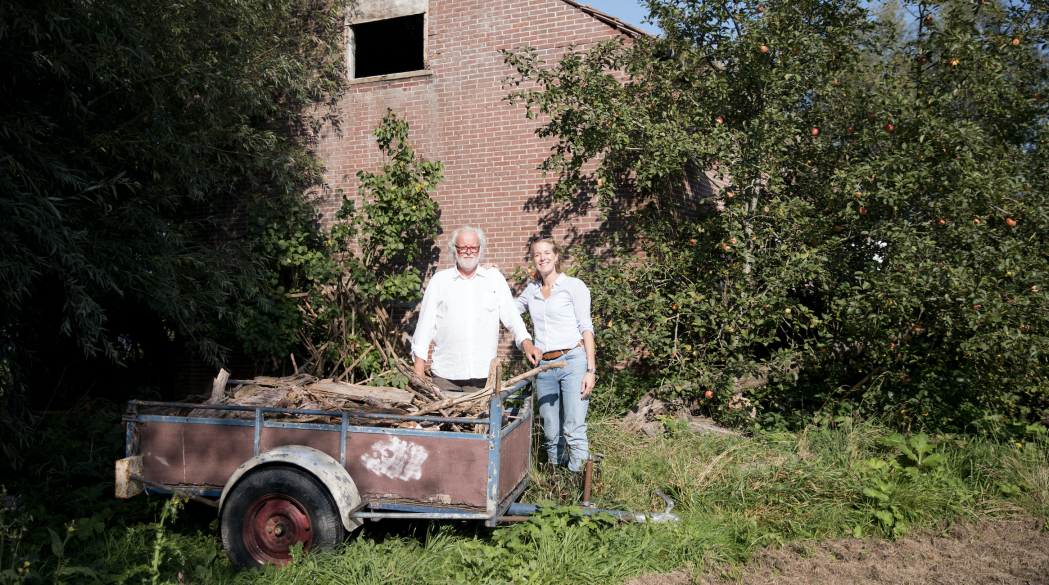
(457, 116)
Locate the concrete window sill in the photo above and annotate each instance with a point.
(391, 76)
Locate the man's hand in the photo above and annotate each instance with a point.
(420, 366)
(535, 355)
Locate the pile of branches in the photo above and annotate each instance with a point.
(303, 391)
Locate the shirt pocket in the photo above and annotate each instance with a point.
(491, 300)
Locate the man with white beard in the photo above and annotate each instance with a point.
(460, 312)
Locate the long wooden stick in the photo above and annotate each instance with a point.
(530, 373)
(355, 362)
(482, 393)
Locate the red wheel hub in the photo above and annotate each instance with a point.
(272, 525)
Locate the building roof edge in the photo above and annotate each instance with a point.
(628, 29)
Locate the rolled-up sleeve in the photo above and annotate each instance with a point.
(510, 315)
(581, 305)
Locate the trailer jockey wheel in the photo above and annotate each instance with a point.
(272, 509)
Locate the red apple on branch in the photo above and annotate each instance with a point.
(1016, 41)
(719, 120)
(863, 211)
(1010, 222)
(708, 394)
(889, 127)
(850, 129)
(764, 49)
(815, 131)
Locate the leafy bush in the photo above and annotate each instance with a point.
(331, 290)
(879, 241)
(130, 130)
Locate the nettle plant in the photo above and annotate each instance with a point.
(881, 246)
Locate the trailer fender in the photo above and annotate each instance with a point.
(318, 464)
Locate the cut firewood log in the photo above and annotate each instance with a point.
(355, 392)
(218, 387)
(420, 383)
(247, 390)
(495, 370)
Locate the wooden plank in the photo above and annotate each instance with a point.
(392, 395)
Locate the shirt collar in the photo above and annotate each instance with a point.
(459, 275)
(557, 283)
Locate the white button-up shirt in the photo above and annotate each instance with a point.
(560, 320)
(461, 315)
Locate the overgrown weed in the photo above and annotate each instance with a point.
(734, 494)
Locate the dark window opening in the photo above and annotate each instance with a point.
(388, 46)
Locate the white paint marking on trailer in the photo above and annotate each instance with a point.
(396, 459)
(162, 460)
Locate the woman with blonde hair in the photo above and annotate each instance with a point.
(560, 309)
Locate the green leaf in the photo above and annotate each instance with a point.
(885, 517)
(57, 546)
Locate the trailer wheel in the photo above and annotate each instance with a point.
(273, 508)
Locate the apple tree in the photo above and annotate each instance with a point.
(878, 243)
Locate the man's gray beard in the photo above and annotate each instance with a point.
(462, 263)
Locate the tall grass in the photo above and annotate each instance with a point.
(734, 495)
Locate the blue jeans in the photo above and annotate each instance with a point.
(563, 412)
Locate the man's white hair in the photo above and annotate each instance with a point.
(455, 236)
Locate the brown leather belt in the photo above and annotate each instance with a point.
(551, 355)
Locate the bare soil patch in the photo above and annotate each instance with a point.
(1001, 551)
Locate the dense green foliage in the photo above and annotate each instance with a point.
(330, 289)
(133, 135)
(882, 243)
(734, 495)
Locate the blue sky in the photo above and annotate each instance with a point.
(629, 11)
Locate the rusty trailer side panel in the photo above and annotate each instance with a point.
(186, 453)
(515, 455)
(430, 468)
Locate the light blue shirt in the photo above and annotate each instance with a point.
(560, 320)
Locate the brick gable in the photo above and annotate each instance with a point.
(457, 115)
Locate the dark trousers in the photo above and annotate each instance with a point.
(471, 385)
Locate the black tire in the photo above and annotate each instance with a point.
(273, 508)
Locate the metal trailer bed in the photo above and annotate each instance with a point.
(367, 471)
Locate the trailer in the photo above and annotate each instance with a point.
(276, 483)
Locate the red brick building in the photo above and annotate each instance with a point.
(437, 65)
(447, 84)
